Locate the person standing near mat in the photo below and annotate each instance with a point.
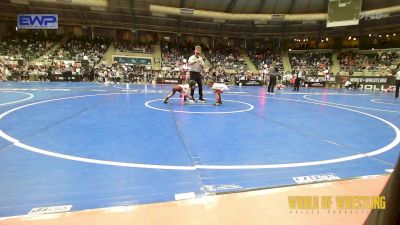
(196, 65)
(299, 76)
(273, 72)
(397, 81)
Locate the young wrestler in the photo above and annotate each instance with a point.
(183, 89)
(218, 89)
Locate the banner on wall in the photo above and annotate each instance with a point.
(37, 21)
(369, 82)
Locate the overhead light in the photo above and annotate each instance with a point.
(387, 35)
(354, 39)
(349, 37)
(326, 39)
(369, 35)
(322, 40)
(290, 49)
(380, 35)
(394, 34)
(373, 49)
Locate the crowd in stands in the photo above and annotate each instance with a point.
(312, 62)
(27, 46)
(222, 58)
(83, 57)
(122, 73)
(263, 57)
(99, 73)
(73, 55)
(221, 76)
(217, 75)
(226, 63)
(76, 49)
(134, 46)
(382, 63)
(226, 58)
(175, 56)
(11, 71)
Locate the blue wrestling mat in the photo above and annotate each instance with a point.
(89, 145)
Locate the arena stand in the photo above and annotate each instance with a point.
(134, 46)
(85, 58)
(369, 62)
(313, 62)
(174, 57)
(261, 57)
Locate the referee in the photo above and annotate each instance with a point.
(273, 72)
(196, 65)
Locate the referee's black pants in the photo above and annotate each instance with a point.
(397, 88)
(196, 76)
(297, 84)
(272, 83)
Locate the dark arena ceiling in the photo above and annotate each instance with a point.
(147, 15)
